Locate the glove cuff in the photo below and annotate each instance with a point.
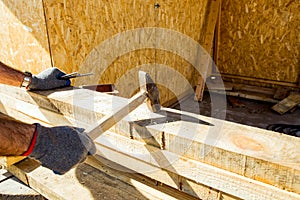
(32, 143)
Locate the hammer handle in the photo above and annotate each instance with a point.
(110, 120)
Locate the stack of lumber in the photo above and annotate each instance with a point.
(199, 156)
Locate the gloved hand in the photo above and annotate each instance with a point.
(61, 148)
(48, 79)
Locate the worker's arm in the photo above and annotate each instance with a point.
(10, 76)
(48, 79)
(58, 148)
(15, 136)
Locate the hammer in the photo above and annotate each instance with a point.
(148, 91)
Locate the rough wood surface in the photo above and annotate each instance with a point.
(162, 164)
(4, 174)
(260, 39)
(79, 36)
(208, 34)
(84, 182)
(89, 35)
(87, 182)
(255, 153)
(23, 35)
(12, 188)
(287, 104)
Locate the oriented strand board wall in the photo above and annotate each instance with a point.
(83, 38)
(260, 39)
(23, 35)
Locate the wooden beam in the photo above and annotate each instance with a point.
(247, 95)
(256, 81)
(12, 188)
(287, 104)
(162, 164)
(247, 151)
(84, 182)
(208, 45)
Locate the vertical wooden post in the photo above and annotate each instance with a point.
(213, 13)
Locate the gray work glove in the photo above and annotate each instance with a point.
(48, 79)
(61, 148)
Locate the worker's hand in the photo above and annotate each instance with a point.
(61, 148)
(48, 79)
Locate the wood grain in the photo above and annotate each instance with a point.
(259, 39)
(251, 152)
(23, 38)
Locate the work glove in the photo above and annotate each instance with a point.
(48, 79)
(61, 148)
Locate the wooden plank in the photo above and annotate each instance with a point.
(4, 174)
(133, 178)
(91, 183)
(287, 104)
(217, 41)
(32, 114)
(110, 120)
(211, 22)
(247, 95)
(240, 149)
(12, 188)
(255, 81)
(84, 182)
(149, 160)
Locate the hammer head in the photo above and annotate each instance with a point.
(147, 85)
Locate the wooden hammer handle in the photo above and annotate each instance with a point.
(108, 121)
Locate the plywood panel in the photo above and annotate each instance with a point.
(23, 35)
(260, 39)
(125, 74)
(76, 28)
(107, 37)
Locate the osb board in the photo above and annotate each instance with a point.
(260, 39)
(77, 27)
(107, 37)
(125, 74)
(23, 35)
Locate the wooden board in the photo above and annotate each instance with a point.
(259, 39)
(114, 41)
(90, 183)
(208, 34)
(240, 149)
(23, 35)
(161, 164)
(4, 174)
(84, 182)
(12, 188)
(87, 35)
(287, 104)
